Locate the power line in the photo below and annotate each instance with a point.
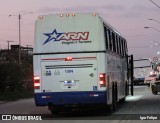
(144, 46)
(8, 42)
(154, 3)
(19, 26)
(140, 47)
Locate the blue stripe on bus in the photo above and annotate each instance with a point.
(70, 98)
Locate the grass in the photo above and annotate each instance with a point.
(12, 96)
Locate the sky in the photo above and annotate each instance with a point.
(129, 17)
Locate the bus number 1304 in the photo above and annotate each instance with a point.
(68, 71)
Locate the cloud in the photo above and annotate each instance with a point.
(114, 7)
(48, 9)
(105, 8)
(139, 11)
(112, 10)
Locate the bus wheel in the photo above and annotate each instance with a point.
(112, 107)
(109, 109)
(123, 100)
(53, 111)
(114, 97)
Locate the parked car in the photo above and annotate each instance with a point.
(155, 87)
(138, 81)
(150, 78)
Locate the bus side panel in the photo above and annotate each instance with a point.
(110, 76)
(122, 82)
(125, 76)
(117, 74)
(103, 68)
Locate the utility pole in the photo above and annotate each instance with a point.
(8, 44)
(19, 18)
(19, 25)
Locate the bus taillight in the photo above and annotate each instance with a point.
(102, 79)
(68, 59)
(36, 82)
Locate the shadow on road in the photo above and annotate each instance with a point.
(142, 103)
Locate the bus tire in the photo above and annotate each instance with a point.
(123, 100)
(110, 109)
(114, 97)
(53, 111)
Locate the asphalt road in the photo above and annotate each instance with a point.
(143, 105)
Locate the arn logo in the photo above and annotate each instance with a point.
(70, 36)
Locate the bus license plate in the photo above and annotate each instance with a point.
(69, 83)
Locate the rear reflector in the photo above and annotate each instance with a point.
(36, 82)
(46, 97)
(94, 95)
(102, 79)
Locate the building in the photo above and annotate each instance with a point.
(24, 50)
(13, 53)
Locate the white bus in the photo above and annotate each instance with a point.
(142, 69)
(79, 61)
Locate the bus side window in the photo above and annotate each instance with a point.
(126, 52)
(123, 47)
(113, 42)
(106, 37)
(120, 46)
(116, 43)
(110, 40)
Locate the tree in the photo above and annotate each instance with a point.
(3, 77)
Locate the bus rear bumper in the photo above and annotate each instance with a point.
(70, 98)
